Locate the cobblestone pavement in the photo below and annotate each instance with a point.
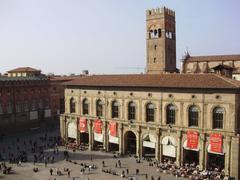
(25, 171)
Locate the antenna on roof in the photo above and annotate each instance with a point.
(186, 54)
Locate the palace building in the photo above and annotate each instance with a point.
(28, 99)
(162, 114)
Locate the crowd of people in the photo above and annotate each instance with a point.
(191, 171)
(21, 150)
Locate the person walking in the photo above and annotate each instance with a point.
(51, 171)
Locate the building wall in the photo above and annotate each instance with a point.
(200, 67)
(205, 101)
(32, 104)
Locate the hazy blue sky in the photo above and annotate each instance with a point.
(108, 36)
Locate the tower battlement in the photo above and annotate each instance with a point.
(160, 11)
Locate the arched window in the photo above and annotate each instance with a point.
(99, 108)
(159, 33)
(115, 109)
(85, 108)
(149, 112)
(218, 118)
(72, 105)
(151, 34)
(131, 111)
(171, 112)
(155, 33)
(193, 116)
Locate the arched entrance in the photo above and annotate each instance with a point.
(83, 129)
(215, 159)
(190, 155)
(113, 137)
(169, 149)
(72, 132)
(84, 138)
(215, 152)
(130, 143)
(149, 145)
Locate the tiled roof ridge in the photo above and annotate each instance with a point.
(158, 80)
(24, 69)
(218, 55)
(228, 80)
(231, 57)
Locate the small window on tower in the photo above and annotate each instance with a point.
(155, 33)
(155, 47)
(159, 33)
(154, 60)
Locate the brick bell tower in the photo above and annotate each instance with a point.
(161, 41)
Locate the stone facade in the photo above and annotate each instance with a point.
(159, 129)
(161, 41)
(29, 99)
(205, 64)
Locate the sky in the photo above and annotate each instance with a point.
(108, 36)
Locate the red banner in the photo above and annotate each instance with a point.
(216, 143)
(113, 129)
(98, 126)
(192, 139)
(82, 125)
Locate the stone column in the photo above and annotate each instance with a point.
(121, 138)
(139, 144)
(105, 136)
(78, 134)
(62, 127)
(234, 160)
(157, 147)
(90, 134)
(227, 155)
(179, 148)
(202, 152)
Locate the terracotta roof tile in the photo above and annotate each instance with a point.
(208, 81)
(24, 69)
(213, 58)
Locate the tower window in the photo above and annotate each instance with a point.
(154, 60)
(155, 33)
(159, 33)
(155, 47)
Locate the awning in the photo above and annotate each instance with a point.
(72, 130)
(149, 144)
(169, 146)
(113, 139)
(169, 140)
(149, 140)
(98, 137)
(187, 148)
(212, 152)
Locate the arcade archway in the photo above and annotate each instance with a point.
(149, 145)
(130, 143)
